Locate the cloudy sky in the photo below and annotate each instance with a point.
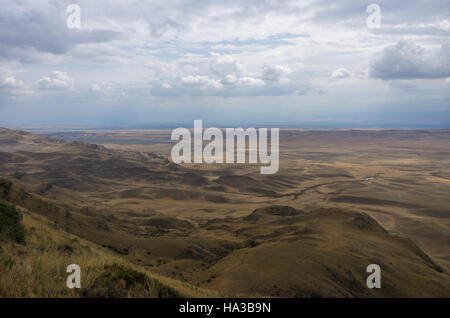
(230, 63)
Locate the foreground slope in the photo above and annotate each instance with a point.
(34, 256)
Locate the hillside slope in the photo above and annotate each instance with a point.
(34, 256)
(322, 253)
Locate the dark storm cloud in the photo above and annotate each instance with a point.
(406, 60)
(24, 34)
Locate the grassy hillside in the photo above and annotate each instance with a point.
(34, 264)
(273, 251)
(321, 253)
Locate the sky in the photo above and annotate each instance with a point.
(144, 64)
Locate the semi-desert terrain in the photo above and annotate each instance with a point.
(341, 200)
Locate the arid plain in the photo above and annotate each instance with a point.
(341, 200)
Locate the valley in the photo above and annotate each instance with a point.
(340, 201)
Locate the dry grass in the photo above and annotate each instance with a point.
(135, 202)
(38, 268)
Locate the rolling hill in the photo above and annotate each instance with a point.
(199, 231)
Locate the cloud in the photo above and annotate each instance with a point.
(231, 72)
(233, 54)
(10, 83)
(275, 73)
(32, 32)
(199, 81)
(57, 80)
(101, 87)
(245, 80)
(341, 73)
(406, 60)
(12, 86)
(225, 64)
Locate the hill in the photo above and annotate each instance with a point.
(321, 253)
(209, 230)
(34, 255)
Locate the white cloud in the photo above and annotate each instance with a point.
(226, 64)
(101, 87)
(275, 73)
(341, 73)
(251, 81)
(232, 79)
(199, 81)
(11, 86)
(10, 83)
(57, 80)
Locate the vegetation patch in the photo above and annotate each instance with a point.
(118, 280)
(10, 225)
(5, 188)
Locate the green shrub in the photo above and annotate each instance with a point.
(5, 188)
(10, 225)
(115, 280)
